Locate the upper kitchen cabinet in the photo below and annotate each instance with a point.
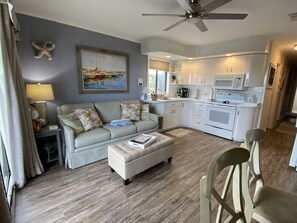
(176, 66)
(190, 72)
(198, 72)
(206, 71)
(231, 65)
(256, 69)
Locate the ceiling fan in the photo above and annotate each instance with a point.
(195, 13)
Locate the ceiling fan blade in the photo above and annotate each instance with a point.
(185, 5)
(215, 4)
(200, 25)
(175, 24)
(175, 15)
(224, 16)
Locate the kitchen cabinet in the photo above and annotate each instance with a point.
(169, 111)
(185, 110)
(231, 65)
(206, 71)
(256, 69)
(197, 113)
(172, 115)
(199, 72)
(189, 72)
(245, 119)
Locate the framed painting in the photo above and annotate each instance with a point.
(271, 75)
(102, 71)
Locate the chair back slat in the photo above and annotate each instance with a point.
(233, 158)
(252, 143)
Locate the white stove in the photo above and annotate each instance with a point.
(220, 114)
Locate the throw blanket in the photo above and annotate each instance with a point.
(120, 122)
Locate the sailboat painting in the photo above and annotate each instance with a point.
(102, 71)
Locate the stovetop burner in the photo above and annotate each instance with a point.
(230, 98)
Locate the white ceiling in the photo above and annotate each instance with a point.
(122, 18)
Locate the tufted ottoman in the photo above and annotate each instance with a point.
(128, 160)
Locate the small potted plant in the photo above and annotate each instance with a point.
(173, 77)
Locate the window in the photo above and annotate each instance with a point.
(157, 81)
(4, 165)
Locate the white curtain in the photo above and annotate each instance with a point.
(15, 121)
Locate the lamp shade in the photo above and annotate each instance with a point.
(40, 92)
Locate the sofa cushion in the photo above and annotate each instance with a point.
(120, 131)
(89, 118)
(68, 108)
(144, 112)
(73, 122)
(145, 125)
(108, 111)
(130, 110)
(94, 136)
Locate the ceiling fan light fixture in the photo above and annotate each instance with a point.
(168, 56)
(228, 54)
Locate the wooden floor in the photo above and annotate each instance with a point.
(164, 193)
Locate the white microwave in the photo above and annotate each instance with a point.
(229, 82)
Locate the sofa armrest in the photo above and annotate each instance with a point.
(155, 118)
(68, 137)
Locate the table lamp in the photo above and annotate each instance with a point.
(40, 93)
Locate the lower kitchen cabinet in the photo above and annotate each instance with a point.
(185, 119)
(197, 115)
(246, 118)
(170, 113)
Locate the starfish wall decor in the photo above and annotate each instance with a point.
(44, 49)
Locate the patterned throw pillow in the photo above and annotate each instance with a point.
(73, 122)
(89, 118)
(130, 111)
(145, 112)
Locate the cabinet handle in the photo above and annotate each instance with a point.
(227, 70)
(231, 70)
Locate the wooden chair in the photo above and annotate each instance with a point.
(232, 158)
(268, 204)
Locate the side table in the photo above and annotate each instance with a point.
(44, 141)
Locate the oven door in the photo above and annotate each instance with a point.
(220, 116)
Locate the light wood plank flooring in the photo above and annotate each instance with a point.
(164, 193)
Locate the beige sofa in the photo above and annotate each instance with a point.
(90, 146)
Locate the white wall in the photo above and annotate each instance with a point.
(269, 116)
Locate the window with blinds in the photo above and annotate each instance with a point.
(157, 76)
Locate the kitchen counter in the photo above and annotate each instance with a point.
(169, 100)
(173, 99)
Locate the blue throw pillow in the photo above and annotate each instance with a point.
(120, 122)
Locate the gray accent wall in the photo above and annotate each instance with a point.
(61, 72)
